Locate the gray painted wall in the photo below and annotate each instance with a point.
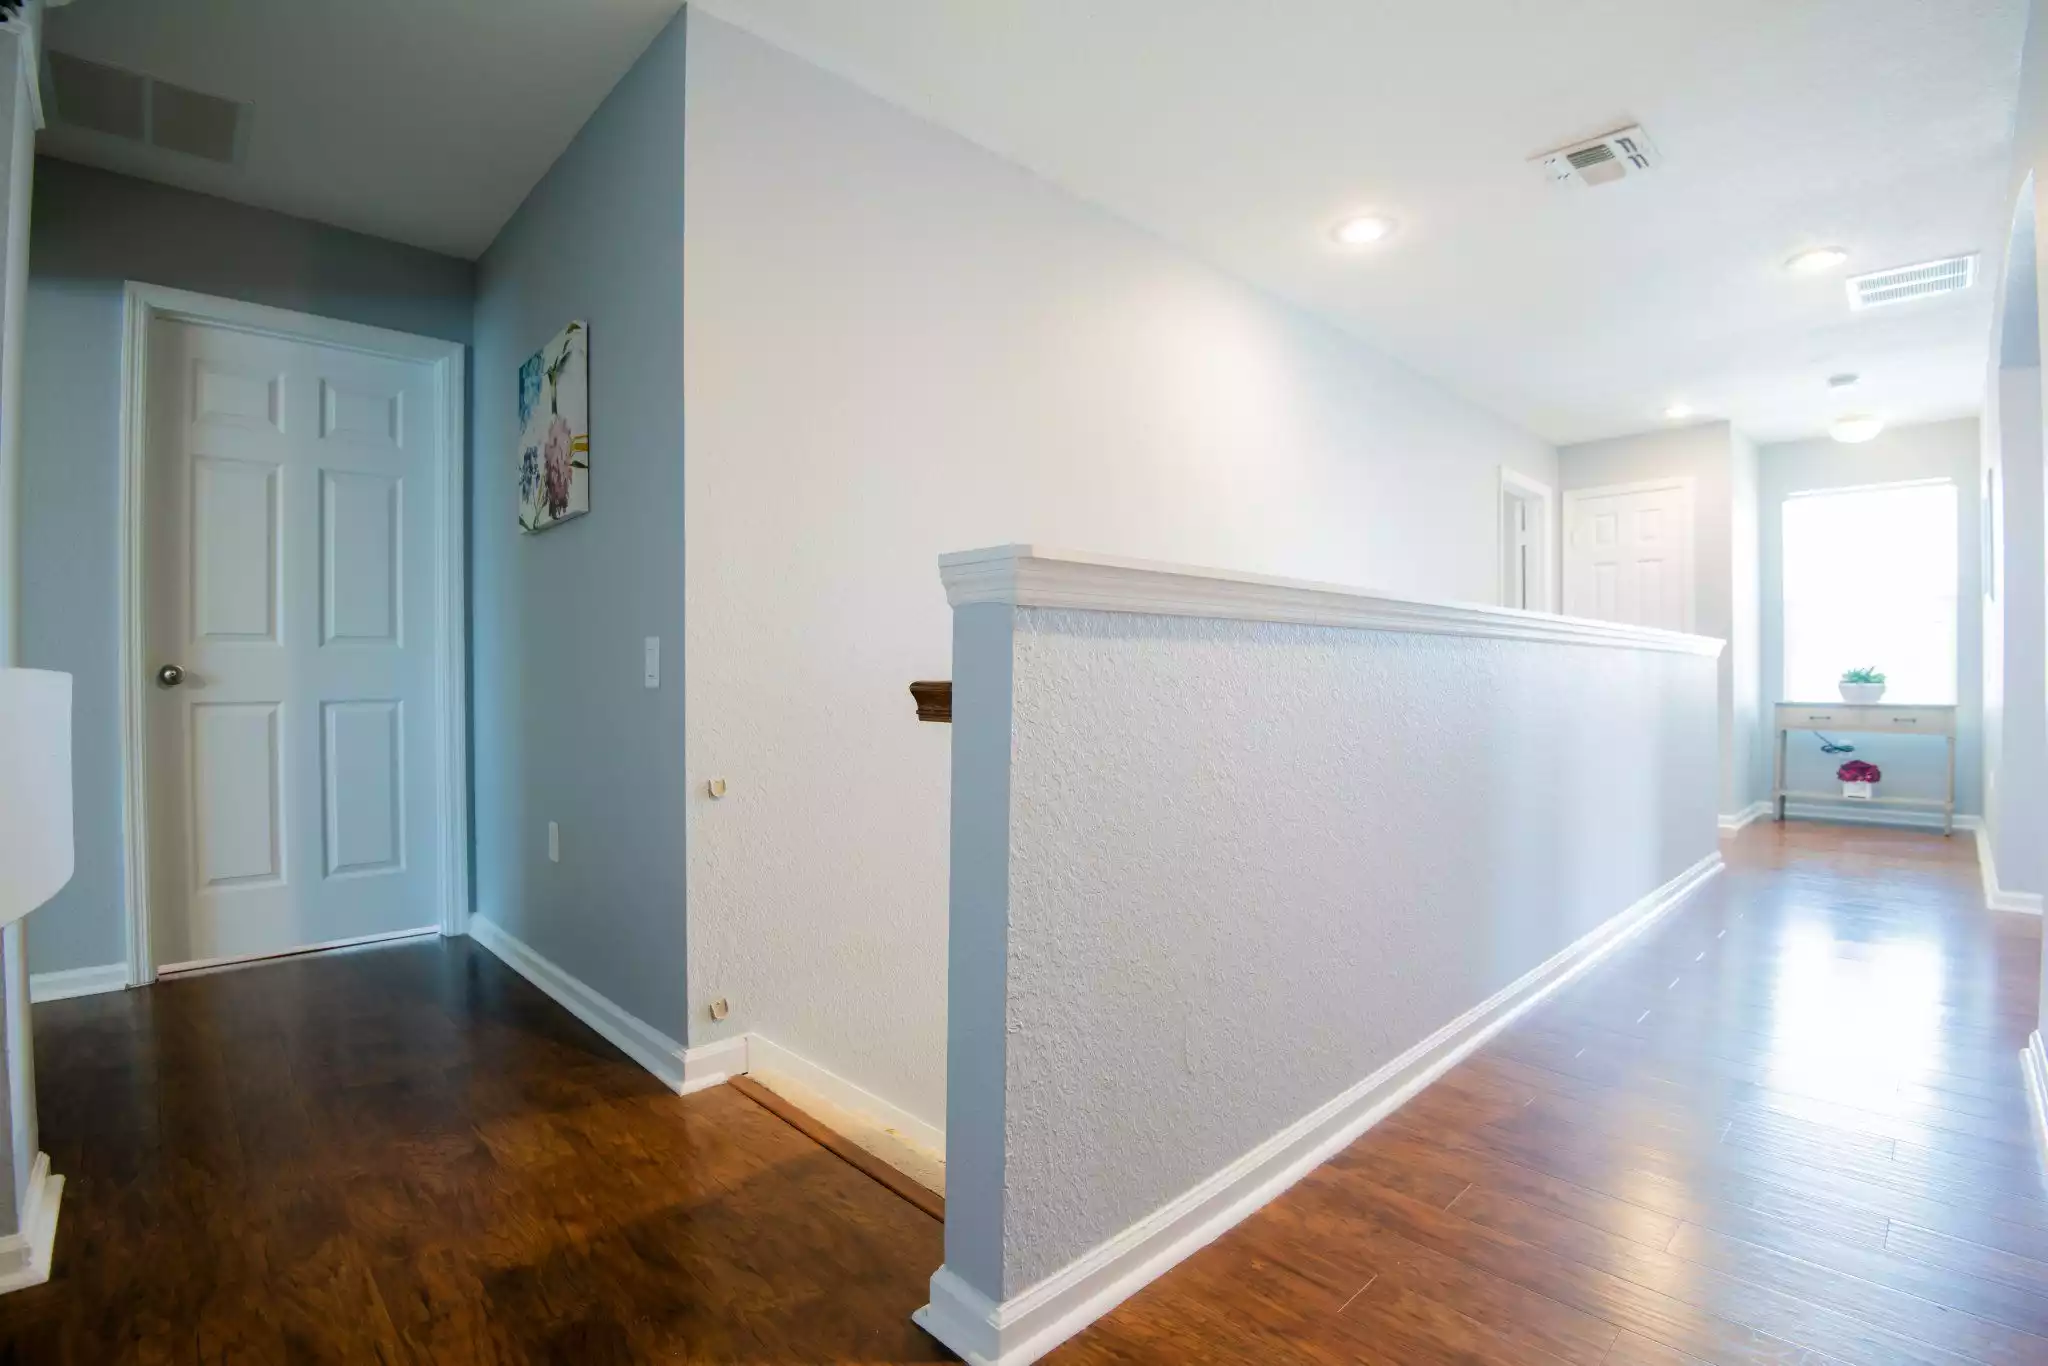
(90, 232)
(1912, 767)
(563, 729)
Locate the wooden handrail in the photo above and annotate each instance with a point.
(934, 699)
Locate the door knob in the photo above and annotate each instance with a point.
(170, 676)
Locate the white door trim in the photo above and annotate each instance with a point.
(1685, 482)
(1521, 485)
(144, 304)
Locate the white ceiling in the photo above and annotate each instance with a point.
(424, 121)
(1243, 131)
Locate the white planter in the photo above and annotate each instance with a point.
(1859, 792)
(1861, 692)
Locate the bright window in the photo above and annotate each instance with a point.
(1870, 581)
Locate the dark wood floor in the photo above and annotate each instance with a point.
(410, 1155)
(1787, 1127)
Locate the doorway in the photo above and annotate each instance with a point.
(1525, 553)
(292, 633)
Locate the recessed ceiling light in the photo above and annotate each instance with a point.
(1364, 230)
(1814, 260)
(1679, 412)
(1851, 431)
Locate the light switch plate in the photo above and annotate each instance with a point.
(652, 651)
(554, 843)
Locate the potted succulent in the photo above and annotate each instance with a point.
(1862, 685)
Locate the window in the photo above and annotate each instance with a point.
(1870, 580)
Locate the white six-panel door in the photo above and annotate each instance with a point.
(288, 545)
(1628, 554)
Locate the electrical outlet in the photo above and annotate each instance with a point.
(554, 843)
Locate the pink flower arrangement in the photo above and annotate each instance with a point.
(1857, 771)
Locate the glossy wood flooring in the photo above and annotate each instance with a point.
(410, 1155)
(1788, 1127)
(1785, 1127)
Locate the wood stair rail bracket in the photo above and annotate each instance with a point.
(934, 700)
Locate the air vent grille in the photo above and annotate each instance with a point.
(123, 104)
(1903, 284)
(1599, 161)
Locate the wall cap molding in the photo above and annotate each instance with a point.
(1026, 1326)
(1040, 576)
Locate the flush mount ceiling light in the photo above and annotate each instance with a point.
(1364, 229)
(1814, 260)
(1852, 431)
(1679, 412)
(1842, 381)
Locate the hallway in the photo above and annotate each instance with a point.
(1785, 1127)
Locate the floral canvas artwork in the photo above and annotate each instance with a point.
(554, 431)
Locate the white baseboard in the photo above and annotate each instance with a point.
(25, 1255)
(1755, 811)
(765, 1055)
(631, 1035)
(714, 1064)
(1027, 1326)
(1997, 898)
(681, 1069)
(2034, 1066)
(58, 986)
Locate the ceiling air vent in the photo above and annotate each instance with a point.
(1600, 161)
(122, 104)
(1904, 283)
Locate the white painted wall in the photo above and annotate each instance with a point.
(2029, 185)
(2015, 708)
(1748, 781)
(1912, 767)
(897, 344)
(1212, 873)
(1721, 464)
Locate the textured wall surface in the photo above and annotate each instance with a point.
(1932, 450)
(563, 728)
(91, 231)
(898, 345)
(1250, 863)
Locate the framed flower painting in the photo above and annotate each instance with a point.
(554, 431)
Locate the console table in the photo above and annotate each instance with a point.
(1867, 718)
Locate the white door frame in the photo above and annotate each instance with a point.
(1535, 491)
(1572, 498)
(144, 304)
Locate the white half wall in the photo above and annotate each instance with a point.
(896, 343)
(1223, 850)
